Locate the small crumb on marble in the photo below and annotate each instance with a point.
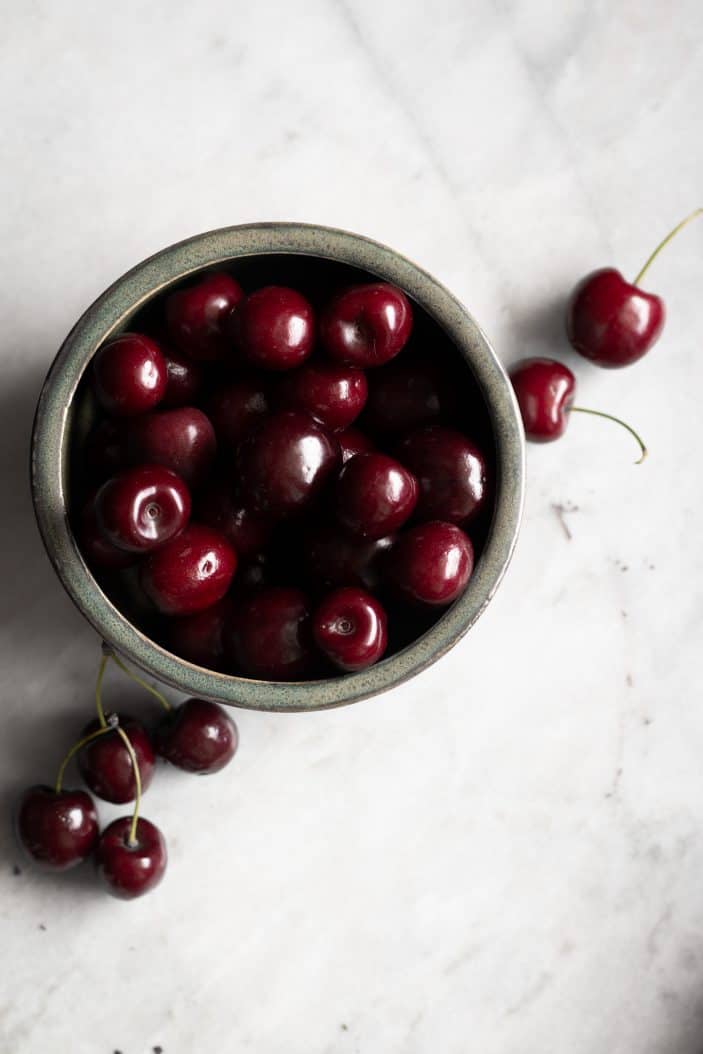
(16, 870)
(157, 1049)
(629, 681)
(42, 926)
(560, 510)
(623, 613)
(344, 1028)
(646, 721)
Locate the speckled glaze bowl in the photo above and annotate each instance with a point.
(55, 420)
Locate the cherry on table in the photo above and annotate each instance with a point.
(190, 572)
(198, 736)
(198, 638)
(332, 393)
(129, 375)
(130, 869)
(274, 328)
(142, 507)
(349, 627)
(270, 636)
(450, 470)
(184, 379)
(197, 317)
(366, 325)
(235, 408)
(247, 531)
(431, 563)
(57, 830)
(374, 496)
(182, 440)
(105, 764)
(353, 441)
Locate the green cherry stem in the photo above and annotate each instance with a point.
(74, 750)
(98, 692)
(138, 680)
(618, 421)
(132, 840)
(670, 235)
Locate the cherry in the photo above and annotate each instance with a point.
(129, 375)
(96, 549)
(142, 508)
(105, 764)
(270, 636)
(184, 379)
(375, 495)
(611, 321)
(333, 558)
(284, 464)
(431, 563)
(349, 627)
(366, 325)
(331, 393)
(450, 471)
(274, 328)
(198, 736)
(182, 440)
(56, 829)
(352, 441)
(190, 572)
(235, 408)
(248, 532)
(198, 638)
(407, 393)
(197, 316)
(128, 866)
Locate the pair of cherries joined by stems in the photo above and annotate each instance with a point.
(611, 322)
(58, 827)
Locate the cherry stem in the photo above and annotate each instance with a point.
(618, 421)
(670, 235)
(132, 839)
(98, 692)
(138, 680)
(74, 750)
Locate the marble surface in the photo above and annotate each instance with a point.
(505, 855)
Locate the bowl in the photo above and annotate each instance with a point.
(60, 409)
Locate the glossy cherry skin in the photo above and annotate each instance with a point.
(375, 495)
(431, 563)
(406, 394)
(331, 393)
(197, 317)
(366, 325)
(248, 532)
(334, 558)
(190, 572)
(544, 389)
(198, 638)
(129, 375)
(142, 508)
(270, 637)
(56, 831)
(182, 440)
(349, 627)
(105, 764)
(450, 471)
(352, 441)
(284, 464)
(274, 328)
(96, 549)
(184, 379)
(198, 737)
(612, 322)
(129, 871)
(234, 409)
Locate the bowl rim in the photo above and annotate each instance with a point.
(50, 438)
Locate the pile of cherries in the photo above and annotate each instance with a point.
(236, 504)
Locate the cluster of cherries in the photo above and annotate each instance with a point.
(207, 512)
(611, 322)
(58, 827)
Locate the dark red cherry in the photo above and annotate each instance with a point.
(236, 408)
(431, 563)
(274, 328)
(190, 572)
(198, 736)
(408, 393)
(184, 380)
(105, 764)
(198, 638)
(352, 441)
(366, 325)
(96, 549)
(248, 532)
(130, 869)
(142, 508)
(270, 635)
(284, 464)
(333, 558)
(56, 830)
(450, 471)
(349, 627)
(331, 393)
(197, 316)
(375, 495)
(129, 375)
(182, 440)
(612, 322)
(544, 389)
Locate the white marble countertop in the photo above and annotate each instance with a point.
(505, 855)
